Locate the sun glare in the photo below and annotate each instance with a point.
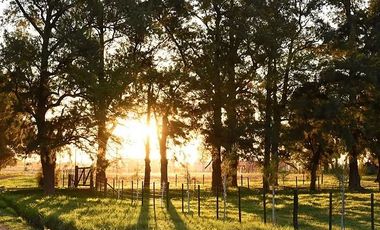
(133, 134)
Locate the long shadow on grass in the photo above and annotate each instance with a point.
(174, 216)
(284, 208)
(143, 221)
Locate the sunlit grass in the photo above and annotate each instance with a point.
(80, 209)
(84, 210)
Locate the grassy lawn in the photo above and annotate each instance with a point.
(81, 209)
(10, 219)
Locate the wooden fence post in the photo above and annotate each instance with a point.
(372, 212)
(295, 210)
(142, 192)
(167, 195)
(303, 178)
(204, 180)
(91, 179)
(154, 200)
(330, 211)
(239, 204)
(322, 178)
(296, 182)
(265, 206)
(199, 200)
(217, 202)
(182, 198)
(248, 182)
(132, 195)
(105, 186)
(176, 178)
(114, 186)
(241, 180)
(122, 189)
(69, 181)
(76, 176)
(273, 205)
(63, 179)
(319, 187)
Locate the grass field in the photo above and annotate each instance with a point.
(81, 209)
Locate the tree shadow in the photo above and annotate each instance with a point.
(174, 216)
(143, 220)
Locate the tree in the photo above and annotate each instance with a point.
(35, 58)
(172, 111)
(345, 78)
(113, 53)
(310, 130)
(372, 51)
(282, 48)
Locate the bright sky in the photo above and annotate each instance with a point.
(132, 134)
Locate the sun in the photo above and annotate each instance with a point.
(133, 134)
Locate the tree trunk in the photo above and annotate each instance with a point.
(163, 148)
(216, 170)
(147, 141)
(48, 162)
(101, 161)
(267, 135)
(233, 167)
(275, 139)
(101, 108)
(354, 177)
(314, 168)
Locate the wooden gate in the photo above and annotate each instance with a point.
(83, 176)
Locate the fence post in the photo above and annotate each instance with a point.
(204, 180)
(63, 179)
(241, 180)
(76, 176)
(217, 202)
(319, 187)
(142, 192)
(273, 205)
(265, 206)
(343, 205)
(122, 189)
(199, 200)
(182, 198)
(167, 195)
(154, 200)
(176, 178)
(303, 178)
(295, 210)
(239, 196)
(105, 186)
(92, 179)
(114, 186)
(248, 182)
(69, 181)
(330, 211)
(372, 213)
(322, 178)
(296, 182)
(132, 197)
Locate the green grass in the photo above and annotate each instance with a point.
(10, 219)
(81, 209)
(84, 210)
(19, 180)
